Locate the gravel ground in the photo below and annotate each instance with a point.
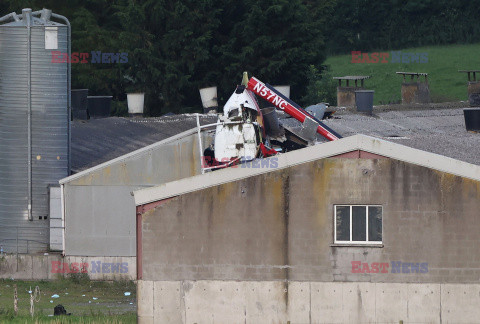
(436, 128)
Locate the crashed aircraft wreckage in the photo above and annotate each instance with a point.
(245, 132)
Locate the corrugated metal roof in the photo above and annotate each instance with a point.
(99, 140)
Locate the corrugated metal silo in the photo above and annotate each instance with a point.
(34, 125)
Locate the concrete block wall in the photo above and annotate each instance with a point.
(280, 226)
(261, 249)
(27, 266)
(305, 302)
(41, 267)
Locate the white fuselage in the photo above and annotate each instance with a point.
(235, 136)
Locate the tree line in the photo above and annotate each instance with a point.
(374, 25)
(176, 47)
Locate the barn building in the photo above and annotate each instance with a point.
(357, 230)
(112, 157)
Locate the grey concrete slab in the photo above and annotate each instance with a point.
(359, 302)
(25, 266)
(40, 267)
(326, 302)
(391, 302)
(423, 302)
(145, 303)
(266, 302)
(215, 301)
(460, 303)
(299, 302)
(168, 297)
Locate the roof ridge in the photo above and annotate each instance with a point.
(356, 142)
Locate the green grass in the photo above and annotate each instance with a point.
(84, 319)
(446, 83)
(111, 305)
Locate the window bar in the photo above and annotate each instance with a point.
(366, 223)
(351, 221)
(335, 225)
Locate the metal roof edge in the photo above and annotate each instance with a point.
(321, 151)
(202, 181)
(422, 158)
(126, 156)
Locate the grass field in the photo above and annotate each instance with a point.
(88, 301)
(446, 83)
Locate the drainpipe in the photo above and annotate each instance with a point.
(69, 83)
(27, 18)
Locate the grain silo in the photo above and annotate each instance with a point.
(34, 125)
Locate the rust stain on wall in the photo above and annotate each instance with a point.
(470, 189)
(286, 234)
(176, 156)
(275, 184)
(83, 181)
(225, 192)
(123, 173)
(322, 171)
(151, 213)
(449, 192)
(107, 172)
(194, 161)
(183, 157)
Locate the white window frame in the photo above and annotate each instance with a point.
(367, 242)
